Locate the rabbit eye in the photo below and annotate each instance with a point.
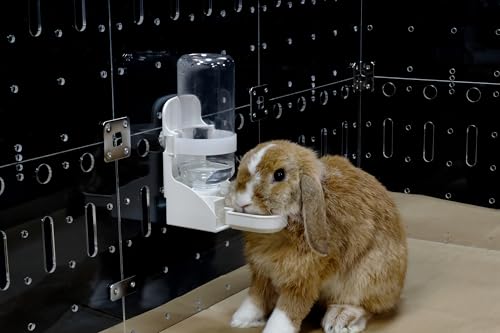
(279, 175)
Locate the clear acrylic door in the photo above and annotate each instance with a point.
(59, 240)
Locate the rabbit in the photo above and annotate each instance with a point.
(344, 246)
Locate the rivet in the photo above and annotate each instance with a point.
(31, 327)
(121, 71)
(111, 249)
(496, 94)
(19, 167)
(109, 206)
(264, 46)
(69, 219)
(252, 48)
(119, 26)
(452, 71)
(11, 39)
(64, 137)
(197, 256)
(369, 27)
(450, 131)
(313, 36)
(368, 124)
(127, 201)
(411, 28)
(163, 230)
(409, 69)
(496, 73)
(125, 124)
(14, 89)
(158, 64)
(453, 30)
(157, 21)
(223, 13)
(72, 264)
(125, 151)
(20, 177)
(406, 190)
(108, 127)
(368, 155)
(132, 284)
(61, 81)
(407, 159)
(449, 163)
(58, 33)
(408, 128)
(252, 9)
(191, 17)
(165, 269)
(18, 157)
(109, 154)
(101, 28)
(74, 308)
(447, 195)
(129, 243)
(497, 32)
(491, 201)
(65, 165)
(227, 286)
(115, 291)
(493, 168)
(24, 234)
(104, 74)
(167, 316)
(494, 135)
(28, 280)
(18, 148)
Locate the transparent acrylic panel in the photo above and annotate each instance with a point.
(58, 235)
(306, 50)
(148, 38)
(429, 127)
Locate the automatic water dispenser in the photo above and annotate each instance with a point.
(199, 141)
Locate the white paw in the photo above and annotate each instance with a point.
(279, 323)
(344, 319)
(248, 315)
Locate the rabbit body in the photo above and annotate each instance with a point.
(344, 245)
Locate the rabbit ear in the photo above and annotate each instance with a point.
(314, 215)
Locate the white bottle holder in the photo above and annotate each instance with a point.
(201, 209)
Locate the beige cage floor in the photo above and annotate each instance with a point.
(450, 288)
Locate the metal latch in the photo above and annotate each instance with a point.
(122, 288)
(259, 106)
(364, 76)
(116, 135)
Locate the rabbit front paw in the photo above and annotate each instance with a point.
(248, 315)
(344, 319)
(279, 323)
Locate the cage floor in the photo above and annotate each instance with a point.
(449, 288)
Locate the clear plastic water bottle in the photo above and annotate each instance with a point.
(211, 78)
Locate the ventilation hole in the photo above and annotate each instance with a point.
(238, 5)
(344, 92)
(277, 110)
(430, 92)
(301, 104)
(43, 174)
(240, 121)
(324, 141)
(2, 185)
(35, 18)
(388, 138)
(323, 97)
(428, 147)
(87, 162)
(138, 12)
(49, 244)
(452, 71)
(174, 10)
(471, 146)
(91, 229)
(473, 95)
(344, 145)
(4, 262)
(207, 10)
(146, 218)
(389, 89)
(143, 147)
(80, 15)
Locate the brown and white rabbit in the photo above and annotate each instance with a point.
(344, 245)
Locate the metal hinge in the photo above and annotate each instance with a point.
(363, 76)
(122, 288)
(259, 102)
(116, 134)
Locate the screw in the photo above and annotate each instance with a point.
(227, 286)
(109, 155)
(167, 316)
(125, 151)
(132, 284)
(125, 124)
(115, 291)
(108, 127)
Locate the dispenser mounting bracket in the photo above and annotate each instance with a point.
(363, 76)
(122, 288)
(259, 102)
(116, 135)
